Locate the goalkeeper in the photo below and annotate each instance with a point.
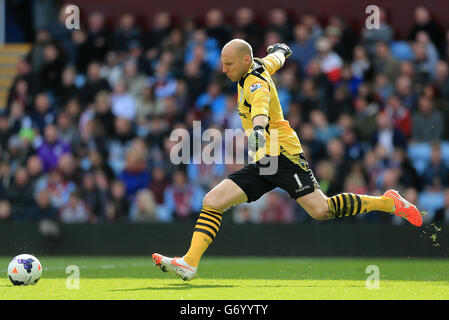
(270, 137)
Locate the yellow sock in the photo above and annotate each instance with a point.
(348, 204)
(206, 229)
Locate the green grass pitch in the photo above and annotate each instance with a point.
(237, 279)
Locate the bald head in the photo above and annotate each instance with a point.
(236, 57)
(239, 47)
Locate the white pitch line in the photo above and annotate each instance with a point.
(102, 266)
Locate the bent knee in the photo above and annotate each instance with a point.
(211, 200)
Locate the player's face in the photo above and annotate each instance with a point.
(232, 66)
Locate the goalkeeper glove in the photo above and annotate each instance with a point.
(280, 47)
(256, 139)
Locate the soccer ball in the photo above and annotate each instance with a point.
(24, 270)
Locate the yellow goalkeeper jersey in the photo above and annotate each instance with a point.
(257, 95)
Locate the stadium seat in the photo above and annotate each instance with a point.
(430, 202)
(445, 152)
(419, 154)
(401, 50)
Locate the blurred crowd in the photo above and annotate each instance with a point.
(85, 136)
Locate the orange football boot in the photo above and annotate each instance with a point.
(404, 209)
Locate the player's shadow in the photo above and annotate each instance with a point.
(178, 286)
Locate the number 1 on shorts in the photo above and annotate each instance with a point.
(297, 180)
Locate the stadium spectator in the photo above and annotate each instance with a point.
(59, 189)
(212, 101)
(123, 103)
(143, 207)
(117, 207)
(216, 27)
(427, 122)
(52, 148)
(384, 62)
(63, 35)
(118, 144)
(157, 186)
(442, 215)
(94, 84)
(276, 209)
(43, 114)
(126, 32)
(408, 177)
(134, 80)
(36, 55)
(183, 199)
(355, 181)
(442, 79)
(18, 119)
(387, 135)
(202, 49)
(34, 167)
(20, 92)
(67, 130)
(405, 91)
(279, 22)
(5, 211)
(164, 84)
(94, 197)
(270, 37)
(316, 149)
(436, 174)
(361, 66)
(99, 37)
(310, 98)
(111, 69)
(384, 33)
(426, 57)
(52, 66)
(148, 107)
(175, 45)
(341, 37)
(160, 30)
(331, 63)
(135, 175)
(303, 47)
(67, 89)
(341, 103)
(423, 21)
(310, 20)
(399, 115)
(336, 154)
(354, 148)
(96, 163)
(246, 26)
(5, 131)
(323, 130)
(75, 211)
(20, 192)
(5, 178)
(83, 54)
(43, 209)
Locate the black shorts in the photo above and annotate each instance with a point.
(297, 179)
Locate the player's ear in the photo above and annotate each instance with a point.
(247, 59)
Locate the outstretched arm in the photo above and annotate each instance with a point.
(275, 59)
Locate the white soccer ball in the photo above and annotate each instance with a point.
(24, 270)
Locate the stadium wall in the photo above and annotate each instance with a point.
(314, 239)
(401, 12)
